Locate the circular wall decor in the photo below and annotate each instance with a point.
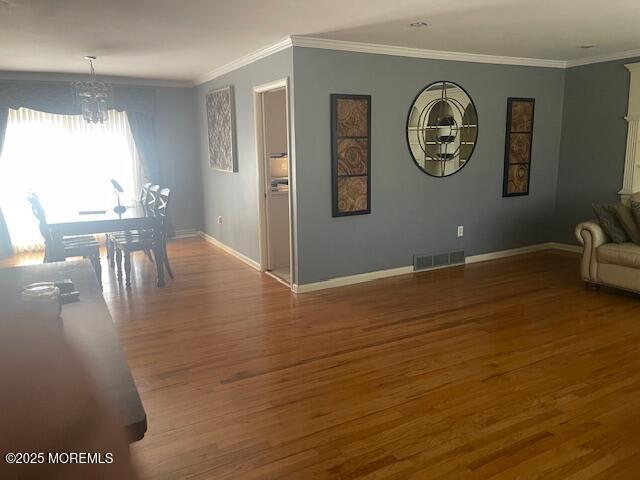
(442, 128)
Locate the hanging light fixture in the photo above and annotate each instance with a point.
(94, 97)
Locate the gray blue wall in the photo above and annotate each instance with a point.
(234, 196)
(178, 155)
(411, 212)
(594, 134)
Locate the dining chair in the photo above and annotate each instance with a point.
(77, 246)
(129, 242)
(143, 201)
(148, 205)
(162, 210)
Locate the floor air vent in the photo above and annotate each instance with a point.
(425, 262)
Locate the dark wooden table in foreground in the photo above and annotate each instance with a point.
(89, 328)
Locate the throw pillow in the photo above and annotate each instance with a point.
(628, 222)
(608, 220)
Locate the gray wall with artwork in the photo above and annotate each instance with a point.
(594, 135)
(411, 212)
(234, 196)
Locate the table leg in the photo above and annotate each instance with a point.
(127, 268)
(158, 254)
(54, 251)
(95, 260)
(118, 255)
(110, 253)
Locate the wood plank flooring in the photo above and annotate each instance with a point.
(507, 369)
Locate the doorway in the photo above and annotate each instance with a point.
(274, 186)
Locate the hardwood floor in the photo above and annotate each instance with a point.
(505, 370)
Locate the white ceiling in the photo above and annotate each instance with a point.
(184, 39)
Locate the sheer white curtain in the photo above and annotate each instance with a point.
(68, 162)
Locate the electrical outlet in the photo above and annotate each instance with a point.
(220, 220)
(460, 231)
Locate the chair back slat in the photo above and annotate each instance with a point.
(162, 202)
(152, 196)
(144, 194)
(162, 210)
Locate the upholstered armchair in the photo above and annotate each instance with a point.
(607, 263)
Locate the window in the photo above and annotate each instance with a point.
(68, 162)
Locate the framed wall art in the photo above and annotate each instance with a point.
(351, 154)
(517, 151)
(221, 129)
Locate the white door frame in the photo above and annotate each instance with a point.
(258, 91)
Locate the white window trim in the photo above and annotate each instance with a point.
(632, 159)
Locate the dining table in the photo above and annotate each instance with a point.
(92, 222)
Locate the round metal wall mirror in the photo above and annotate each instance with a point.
(442, 128)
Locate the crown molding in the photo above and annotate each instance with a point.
(243, 61)
(49, 77)
(328, 44)
(604, 58)
(633, 67)
(379, 49)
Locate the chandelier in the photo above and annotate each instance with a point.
(95, 98)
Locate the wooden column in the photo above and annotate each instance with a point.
(632, 118)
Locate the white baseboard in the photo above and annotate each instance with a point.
(278, 279)
(222, 246)
(483, 257)
(565, 247)
(186, 233)
(392, 272)
(522, 250)
(367, 277)
(351, 279)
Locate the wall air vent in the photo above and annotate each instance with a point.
(456, 257)
(435, 260)
(440, 259)
(422, 262)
